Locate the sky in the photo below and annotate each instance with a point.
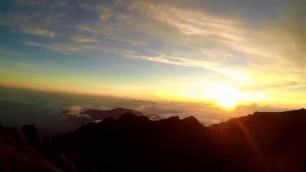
(224, 52)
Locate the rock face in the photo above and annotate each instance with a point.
(48, 149)
(263, 141)
(17, 155)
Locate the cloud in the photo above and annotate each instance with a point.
(275, 48)
(63, 48)
(194, 23)
(76, 47)
(74, 111)
(40, 32)
(81, 39)
(28, 2)
(59, 3)
(236, 75)
(31, 43)
(170, 60)
(118, 27)
(105, 14)
(221, 31)
(290, 33)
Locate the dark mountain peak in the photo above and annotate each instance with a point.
(97, 114)
(32, 134)
(16, 154)
(298, 111)
(89, 126)
(127, 117)
(45, 146)
(191, 120)
(265, 122)
(31, 127)
(132, 115)
(121, 109)
(173, 118)
(124, 110)
(170, 120)
(134, 120)
(14, 134)
(108, 120)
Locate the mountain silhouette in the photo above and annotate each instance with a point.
(17, 155)
(262, 141)
(268, 141)
(47, 148)
(96, 114)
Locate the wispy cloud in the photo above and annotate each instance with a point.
(222, 30)
(195, 23)
(28, 2)
(105, 14)
(40, 32)
(63, 48)
(59, 3)
(236, 75)
(81, 39)
(76, 47)
(269, 49)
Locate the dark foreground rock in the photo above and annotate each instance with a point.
(258, 142)
(17, 155)
(263, 141)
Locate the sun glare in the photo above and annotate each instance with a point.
(226, 96)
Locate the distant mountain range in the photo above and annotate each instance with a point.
(263, 141)
(96, 114)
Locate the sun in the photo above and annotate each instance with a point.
(226, 96)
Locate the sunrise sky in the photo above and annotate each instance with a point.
(224, 51)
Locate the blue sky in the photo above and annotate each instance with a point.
(161, 50)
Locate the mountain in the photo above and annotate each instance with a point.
(17, 155)
(262, 141)
(96, 114)
(135, 143)
(75, 116)
(267, 141)
(48, 149)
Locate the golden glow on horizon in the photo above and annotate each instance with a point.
(226, 96)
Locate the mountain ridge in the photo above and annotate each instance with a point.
(262, 141)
